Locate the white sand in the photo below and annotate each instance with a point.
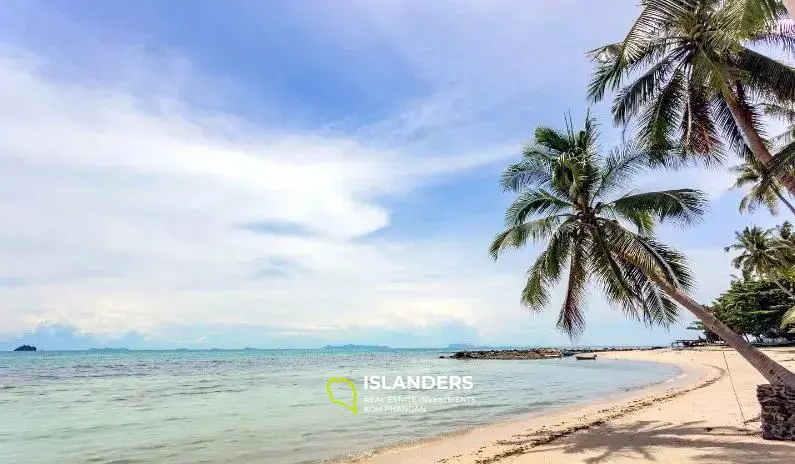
(694, 419)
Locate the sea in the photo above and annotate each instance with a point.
(274, 406)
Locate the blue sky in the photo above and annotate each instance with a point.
(292, 174)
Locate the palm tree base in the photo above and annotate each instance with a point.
(778, 411)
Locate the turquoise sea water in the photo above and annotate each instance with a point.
(267, 406)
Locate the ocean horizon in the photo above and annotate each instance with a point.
(274, 405)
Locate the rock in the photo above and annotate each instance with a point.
(535, 353)
(778, 411)
(26, 348)
(540, 353)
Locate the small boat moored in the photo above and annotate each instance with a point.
(585, 357)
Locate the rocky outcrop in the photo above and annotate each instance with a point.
(26, 348)
(535, 353)
(540, 353)
(778, 411)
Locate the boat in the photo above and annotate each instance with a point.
(585, 357)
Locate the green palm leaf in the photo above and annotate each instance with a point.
(686, 75)
(579, 208)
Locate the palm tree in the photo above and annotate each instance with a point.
(567, 196)
(763, 255)
(695, 70)
(786, 233)
(764, 190)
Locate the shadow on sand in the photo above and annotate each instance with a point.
(643, 438)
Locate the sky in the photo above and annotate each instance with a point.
(207, 174)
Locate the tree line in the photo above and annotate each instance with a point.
(760, 303)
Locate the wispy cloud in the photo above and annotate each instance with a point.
(129, 205)
(127, 213)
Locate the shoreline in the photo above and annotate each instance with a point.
(685, 376)
(520, 439)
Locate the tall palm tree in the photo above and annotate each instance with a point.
(568, 195)
(786, 233)
(767, 256)
(764, 190)
(695, 70)
(763, 255)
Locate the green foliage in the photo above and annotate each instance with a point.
(768, 255)
(763, 254)
(709, 335)
(755, 307)
(684, 64)
(784, 155)
(579, 201)
(764, 190)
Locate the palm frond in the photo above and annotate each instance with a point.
(732, 134)
(682, 206)
(553, 140)
(639, 47)
(660, 120)
(698, 133)
(766, 76)
(763, 190)
(622, 164)
(638, 94)
(534, 169)
(571, 319)
(535, 201)
(648, 254)
(517, 236)
(546, 270)
(782, 111)
(783, 160)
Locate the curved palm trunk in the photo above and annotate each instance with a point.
(774, 372)
(784, 200)
(782, 287)
(755, 141)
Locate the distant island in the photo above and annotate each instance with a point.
(26, 348)
(469, 346)
(357, 347)
(461, 346)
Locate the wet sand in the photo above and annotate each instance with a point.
(693, 418)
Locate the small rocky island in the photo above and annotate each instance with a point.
(26, 348)
(536, 353)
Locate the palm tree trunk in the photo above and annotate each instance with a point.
(784, 200)
(755, 141)
(774, 372)
(785, 289)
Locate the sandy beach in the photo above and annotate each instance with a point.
(694, 418)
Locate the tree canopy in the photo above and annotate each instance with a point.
(579, 200)
(755, 307)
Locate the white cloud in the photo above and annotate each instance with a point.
(127, 212)
(123, 213)
(121, 217)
